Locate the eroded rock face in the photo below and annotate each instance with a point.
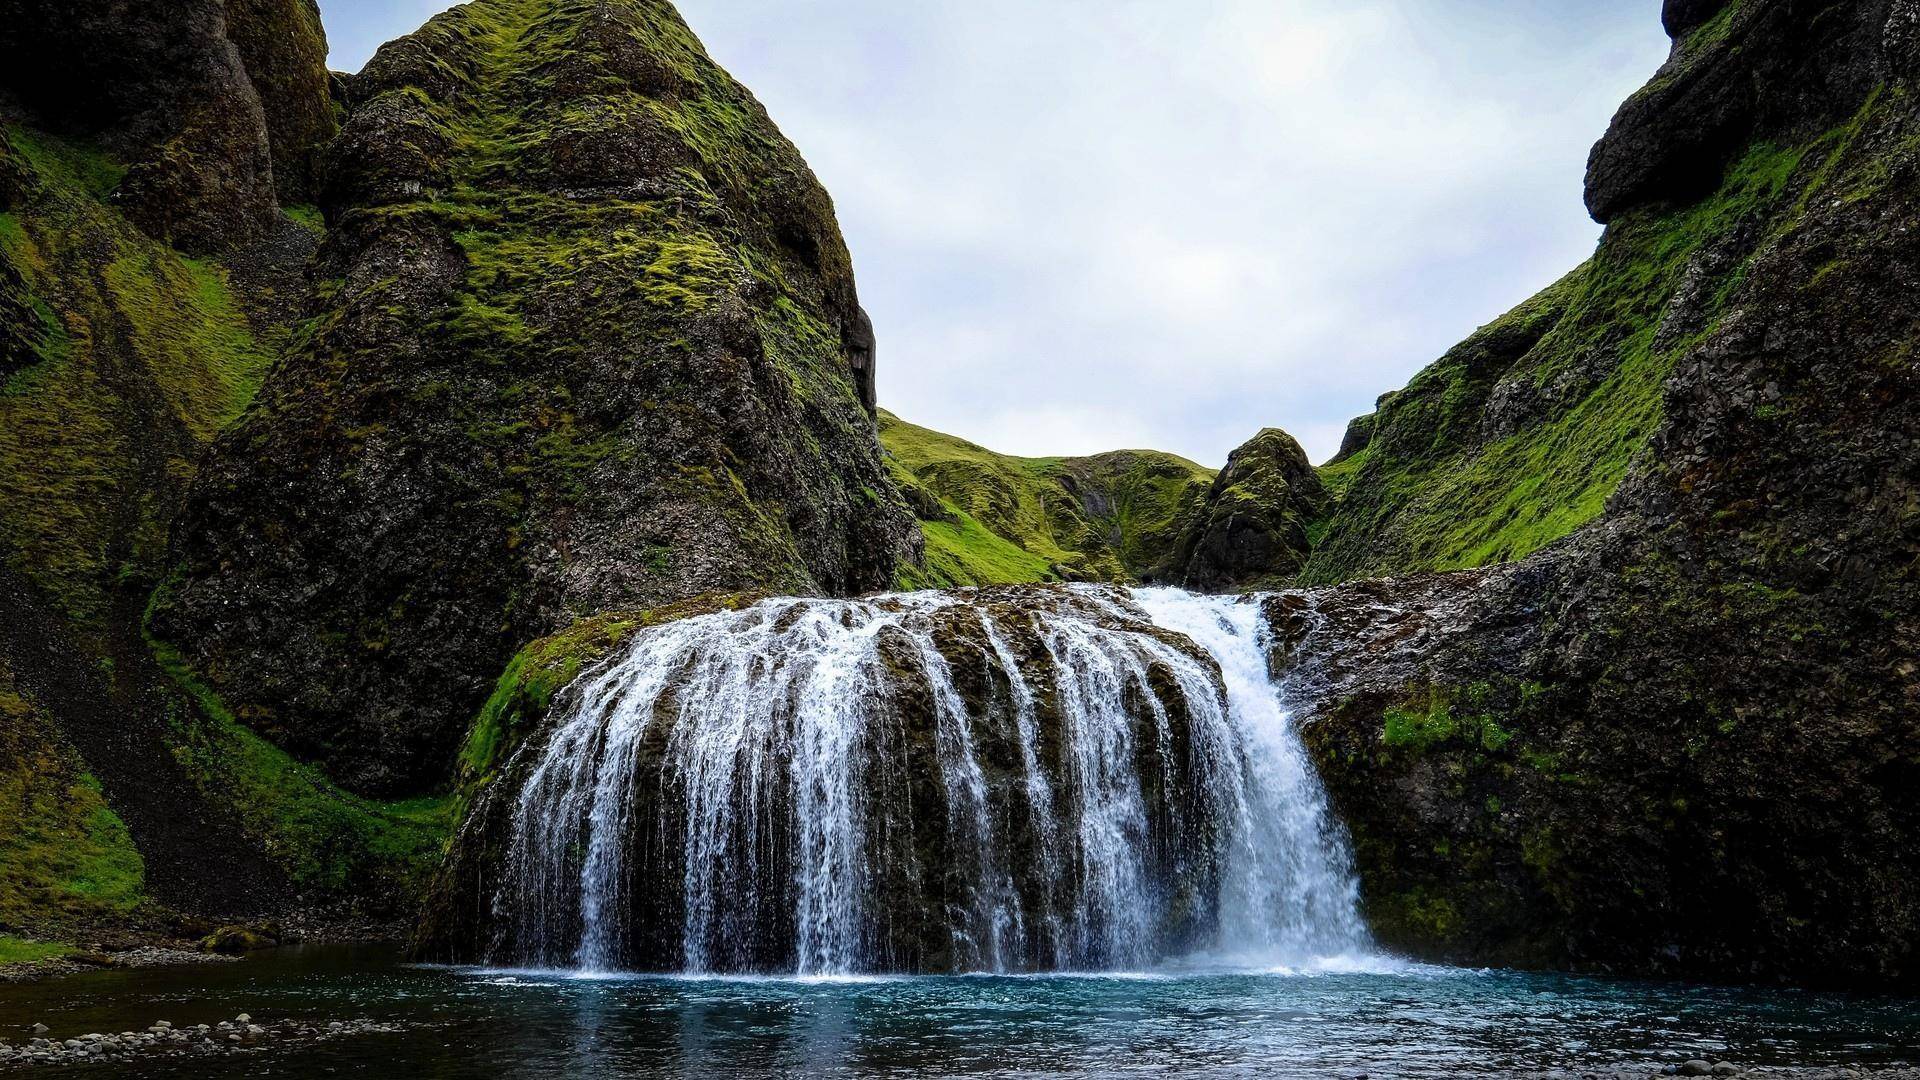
(586, 339)
(1251, 530)
(164, 86)
(1682, 740)
(1740, 73)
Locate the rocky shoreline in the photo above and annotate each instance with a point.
(145, 956)
(162, 1039)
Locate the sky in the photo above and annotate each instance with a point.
(1087, 225)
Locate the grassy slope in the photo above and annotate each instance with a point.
(88, 482)
(134, 332)
(993, 519)
(1437, 491)
(65, 857)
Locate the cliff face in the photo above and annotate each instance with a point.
(1682, 739)
(1518, 437)
(585, 338)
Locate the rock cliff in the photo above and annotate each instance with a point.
(585, 337)
(1680, 738)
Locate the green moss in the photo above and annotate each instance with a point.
(1466, 717)
(307, 216)
(1434, 492)
(329, 840)
(66, 858)
(14, 950)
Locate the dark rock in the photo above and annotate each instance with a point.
(1764, 70)
(581, 346)
(1681, 16)
(163, 86)
(1251, 530)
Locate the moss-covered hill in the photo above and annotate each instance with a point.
(586, 338)
(992, 519)
(1518, 436)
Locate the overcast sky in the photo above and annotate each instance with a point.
(1083, 225)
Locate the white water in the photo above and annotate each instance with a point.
(815, 787)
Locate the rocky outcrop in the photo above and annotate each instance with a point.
(1679, 739)
(1251, 530)
(1743, 73)
(283, 47)
(166, 87)
(587, 339)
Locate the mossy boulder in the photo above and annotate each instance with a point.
(586, 338)
(240, 940)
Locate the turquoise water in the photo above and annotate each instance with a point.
(1384, 1019)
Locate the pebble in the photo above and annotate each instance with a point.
(162, 1039)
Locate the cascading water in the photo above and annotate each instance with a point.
(1058, 779)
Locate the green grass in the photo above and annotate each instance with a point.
(996, 519)
(66, 858)
(15, 950)
(330, 841)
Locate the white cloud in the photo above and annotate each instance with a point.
(1084, 224)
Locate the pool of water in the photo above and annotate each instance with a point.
(1382, 1018)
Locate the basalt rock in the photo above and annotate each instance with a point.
(586, 339)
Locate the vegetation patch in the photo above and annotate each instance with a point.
(14, 950)
(66, 859)
(994, 519)
(330, 841)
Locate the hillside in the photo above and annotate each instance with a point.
(992, 519)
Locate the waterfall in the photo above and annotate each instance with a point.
(1081, 778)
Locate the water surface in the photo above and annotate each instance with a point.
(1385, 1019)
